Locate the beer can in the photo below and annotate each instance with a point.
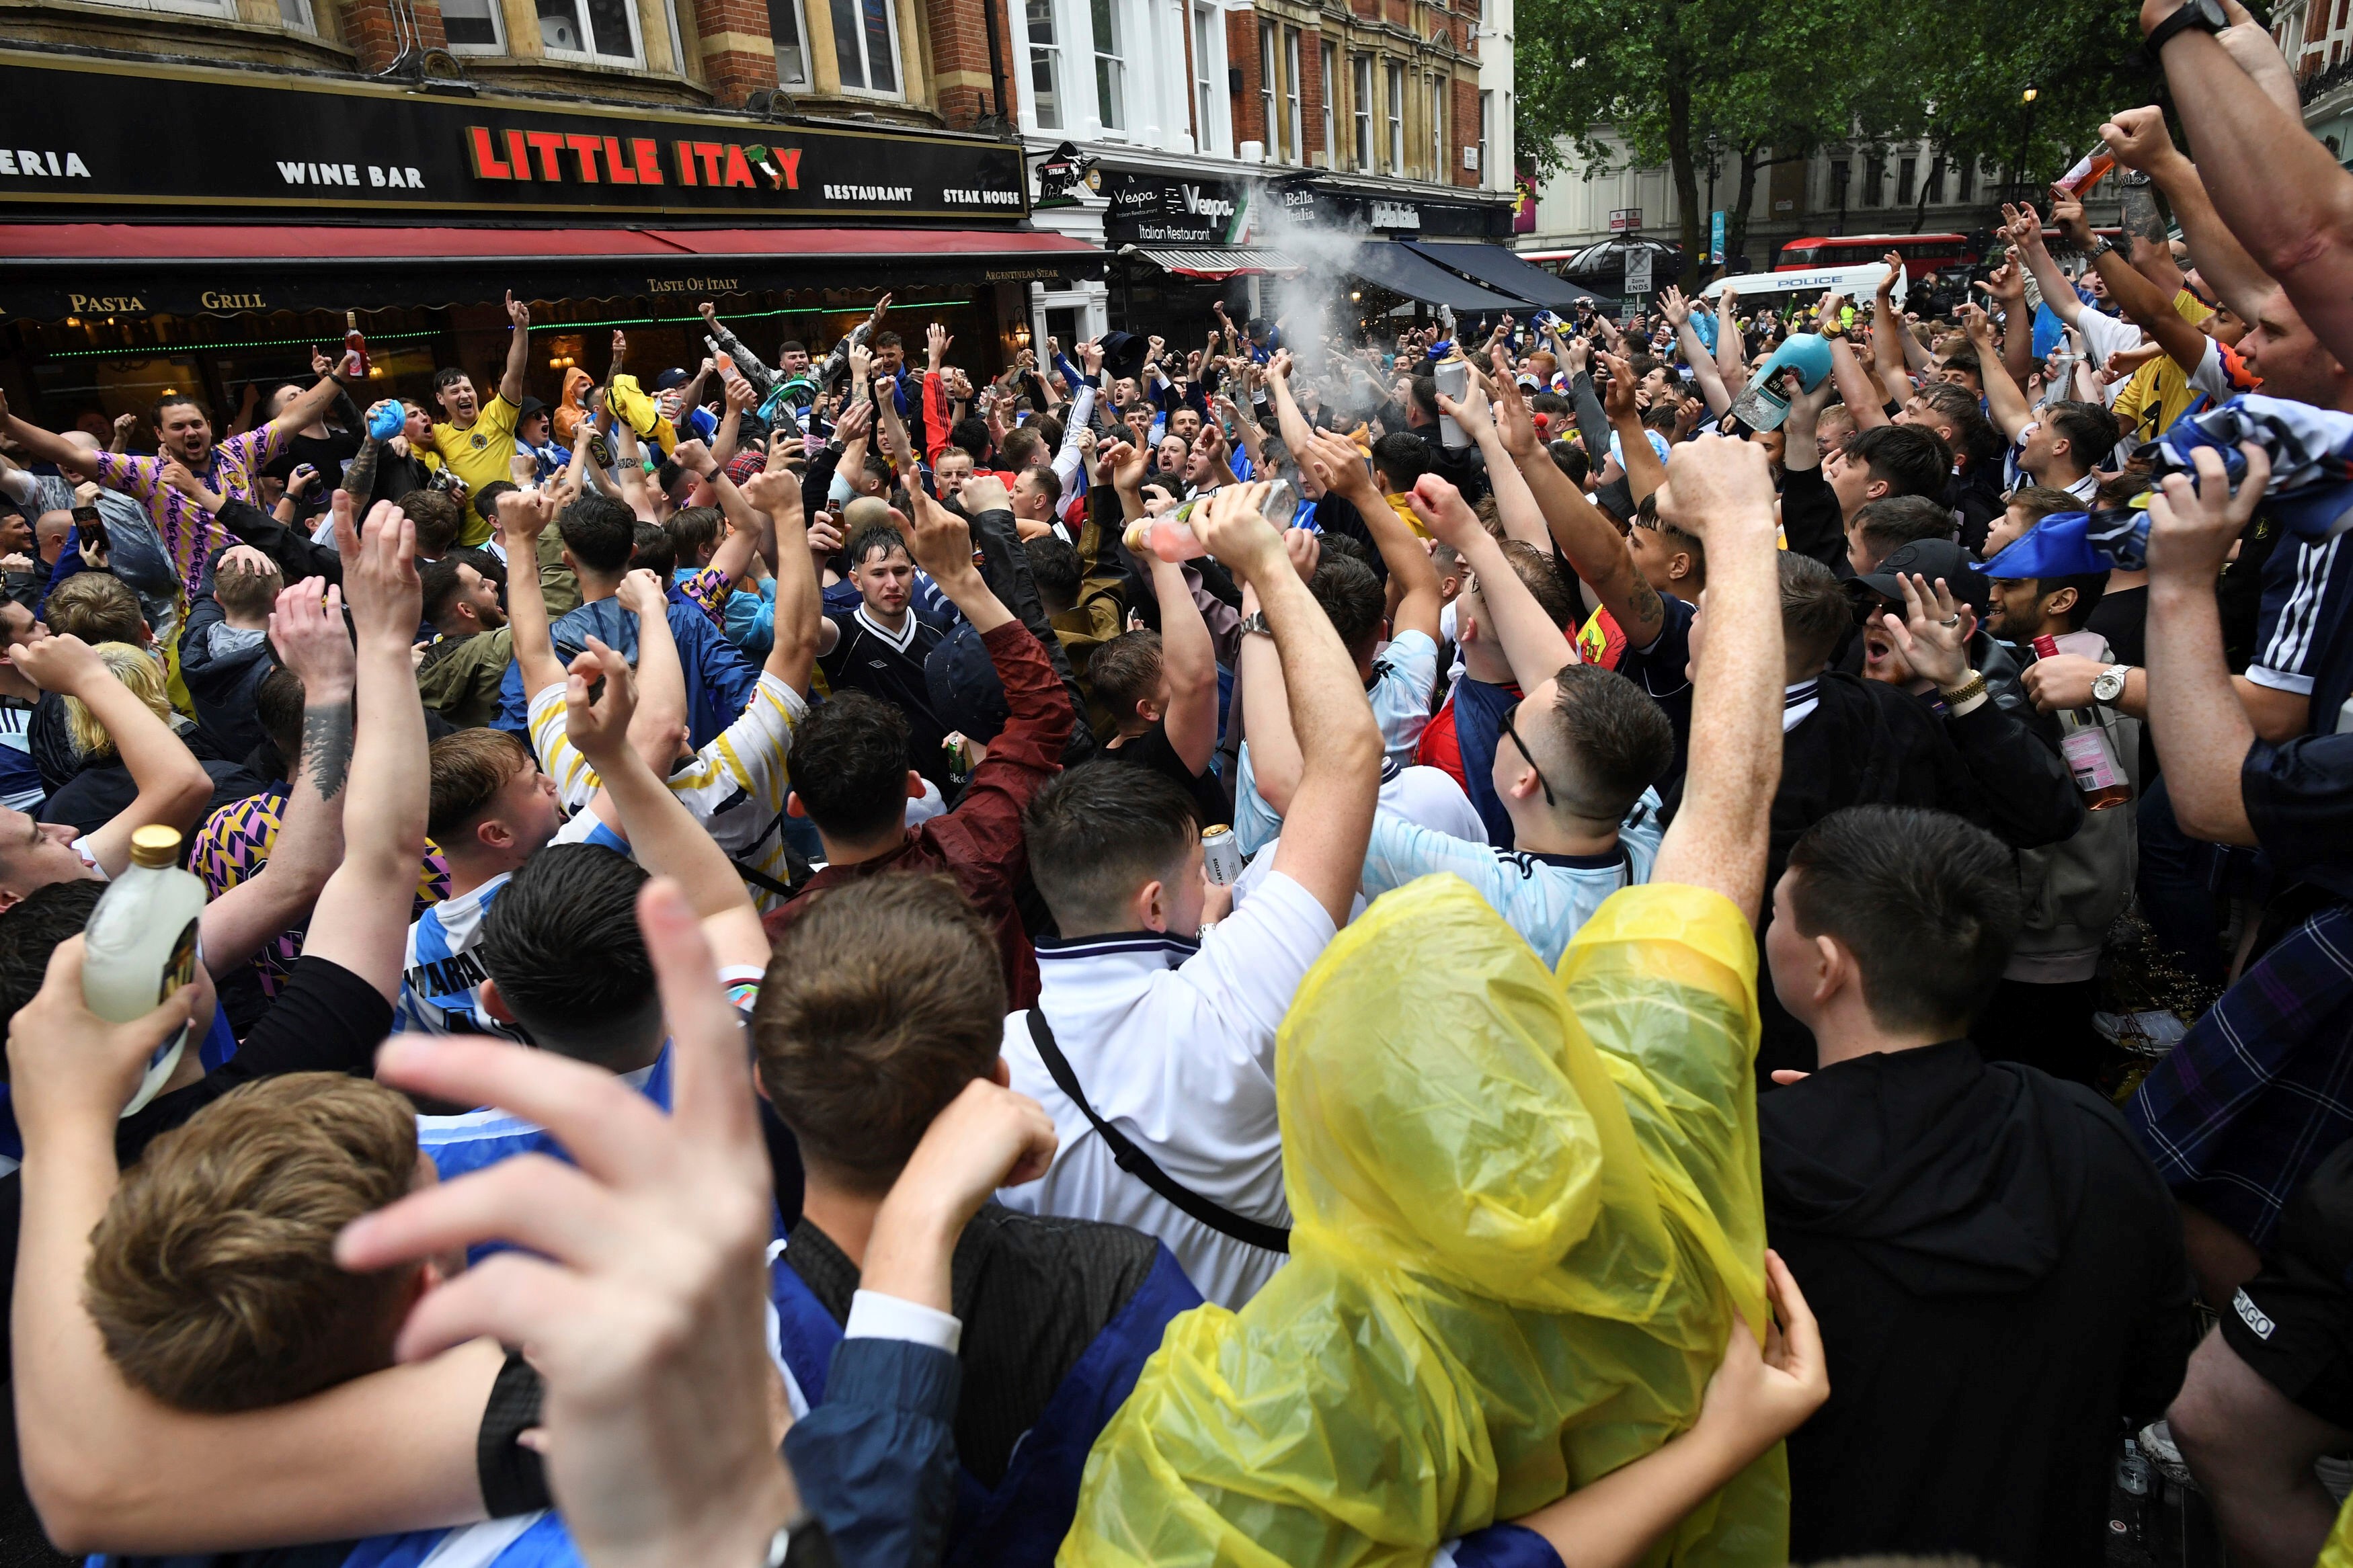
(1221, 855)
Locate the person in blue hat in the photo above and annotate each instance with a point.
(2047, 585)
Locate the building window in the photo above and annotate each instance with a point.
(1841, 172)
(1111, 66)
(1396, 116)
(784, 27)
(1904, 168)
(295, 14)
(1968, 172)
(471, 25)
(601, 30)
(1294, 125)
(1486, 129)
(1436, 130)
(1874, 181)
(866, 45)
(1936, 192)
(1207, 30)
(1331, 62)
(1362, 105)
(1045, 63)
(1268, 131)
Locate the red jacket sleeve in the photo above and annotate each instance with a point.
(981, 840)
(935, 417)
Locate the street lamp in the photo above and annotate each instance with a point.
(2025, 134)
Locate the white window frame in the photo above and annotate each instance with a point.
(1294, 119)
(1052, 53)
(799, 13)
(1360, 111)
(636, 60)
(1208, 25)
(498, 44)
(1486, 120)
(898, 60)
(1097, 54)
(1269, 85)
(1328, 57)
(1393, 104)
(1438, 170)
(303, 20)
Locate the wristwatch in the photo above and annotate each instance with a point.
(2204, 14)
(2109, 684)
(1256, 622)
(2103, 246)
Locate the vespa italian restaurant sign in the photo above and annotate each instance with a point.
(80, 135)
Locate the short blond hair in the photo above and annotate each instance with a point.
(136, 668)
(213, 1278)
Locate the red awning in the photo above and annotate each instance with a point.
(55, 270)
(196, 243)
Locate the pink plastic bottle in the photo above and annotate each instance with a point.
(1169, 536)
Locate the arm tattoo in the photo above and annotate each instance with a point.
(359, 474)
(327, 746)
(2140, 215)
(1642, 604)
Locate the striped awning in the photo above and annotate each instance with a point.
(1219, 261)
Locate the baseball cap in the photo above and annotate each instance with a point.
(1932, 559)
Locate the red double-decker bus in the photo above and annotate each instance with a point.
(1922, 253)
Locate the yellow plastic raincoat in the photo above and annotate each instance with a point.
(1526, 1211)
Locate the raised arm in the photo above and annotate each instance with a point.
(1506, 440)
(362, 919)
(2195, 714)
(2280, 191)
(1264, 702)
(1331, 819)
(2145, 304)
(1730, 360)
(1342, 468)
(44, 445)
(1702, 363)
(2140, 141)
(1856, 388)
(307, 630)
(664, 836)
(1189, 661)
(173, 787)
(1288, 419)
(2023, 227)
(313, 401)
(776, 495)
(510, 382)
(1722, 491)
(1532, 644)
(1644, 473)
(1887, 333)
(1595, 549)
(2004, 399)
(523, 516)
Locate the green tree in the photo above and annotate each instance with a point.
(1680, 82)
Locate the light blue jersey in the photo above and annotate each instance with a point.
(1544, 898)
(520, 1541)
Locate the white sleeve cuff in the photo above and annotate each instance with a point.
(874, 1316)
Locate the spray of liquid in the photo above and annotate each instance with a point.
(1313, 304)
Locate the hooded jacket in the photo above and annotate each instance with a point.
(1524, 1221)
(1999, 1278)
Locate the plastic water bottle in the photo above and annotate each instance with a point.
(139, 945)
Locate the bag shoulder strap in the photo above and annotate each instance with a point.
(1141, 1166)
